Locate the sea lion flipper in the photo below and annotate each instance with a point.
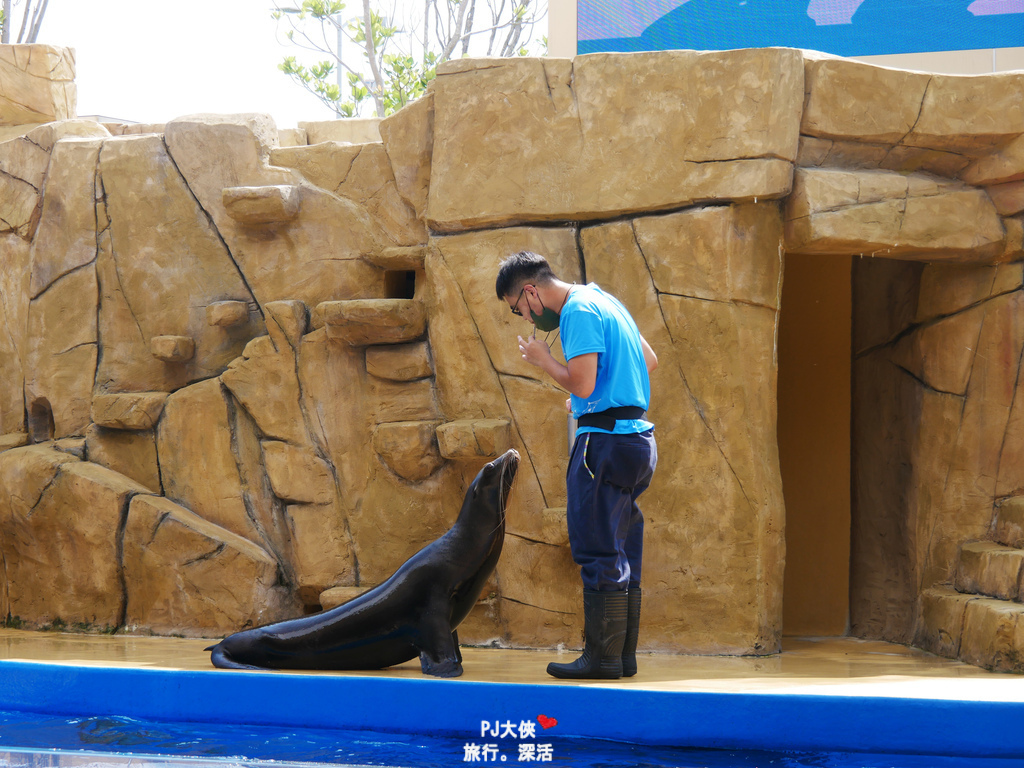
(446, 667)
(221, 659)
(445, 660)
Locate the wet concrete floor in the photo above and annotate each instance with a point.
(828, 666)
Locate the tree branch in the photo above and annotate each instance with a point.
(371, 55)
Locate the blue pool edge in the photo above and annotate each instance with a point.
(736, 720)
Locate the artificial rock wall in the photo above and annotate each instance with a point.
(241, 380)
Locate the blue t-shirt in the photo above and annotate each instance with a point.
(594, 321)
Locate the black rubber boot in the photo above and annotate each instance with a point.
(632, 632)
(604, 626)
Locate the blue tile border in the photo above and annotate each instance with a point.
(768, 721)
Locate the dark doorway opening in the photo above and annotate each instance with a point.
(814, 395)
(40, 421)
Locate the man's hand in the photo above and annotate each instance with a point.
(578, 377)
(534, 351)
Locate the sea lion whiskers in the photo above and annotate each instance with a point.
(505, 484)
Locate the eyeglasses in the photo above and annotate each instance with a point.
(515, 307)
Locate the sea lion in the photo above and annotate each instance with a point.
(415, 612)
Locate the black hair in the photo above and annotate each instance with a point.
(519, 269)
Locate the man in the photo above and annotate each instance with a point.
(614, 454)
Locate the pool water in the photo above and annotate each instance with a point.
(41, 740)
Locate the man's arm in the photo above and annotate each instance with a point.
(650, 358)
(579, 376)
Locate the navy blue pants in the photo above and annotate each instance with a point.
(606, 528)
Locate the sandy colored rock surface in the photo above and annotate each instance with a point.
(60, 358)
(853, 155)
(948, 289)
(473, 370)
(326, 164)
(479, 374)
(23, 162)
(408, 137)
(14, 310)
(38, 84)
(62, 572)
(262, 205)
(372, 184)
(934, 355)
(1010, 522)
(1002, 166)
(992, 637)
(933, 392)
(535, 595)
(401, 362)
(291, 137)
(1008, 198)
(374, 321)
(1014, 250)
(227, 314)
(61, 351)
(287, 322)
(968, 114)
(197, 463)
(568, 139)
(297, 474)
(29, 471)
(172, 349)
(265, 383)
(130, 410)
(378, 519)
(731, 253)
(353, 131)
(130, 453)
(389, 401)
(473, 438)
(963, 115)
(987, 568)
(335, 596)
(284, 261)
(361, 173)
(188, 576)
(467, 265)
(157, 277)
(66, 236)
(850, 99)
(324, 556)
(13, 440)
(831, 211)
(400, 257)
(942, 621)
(409, 448)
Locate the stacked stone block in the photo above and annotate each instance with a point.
(981, 619)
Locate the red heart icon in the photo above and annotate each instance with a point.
(546, 722)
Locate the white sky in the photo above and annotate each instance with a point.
(150, 61)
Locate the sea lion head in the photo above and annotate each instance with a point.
(501, 472)
(493, 483)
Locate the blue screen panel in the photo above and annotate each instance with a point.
(842, 27)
